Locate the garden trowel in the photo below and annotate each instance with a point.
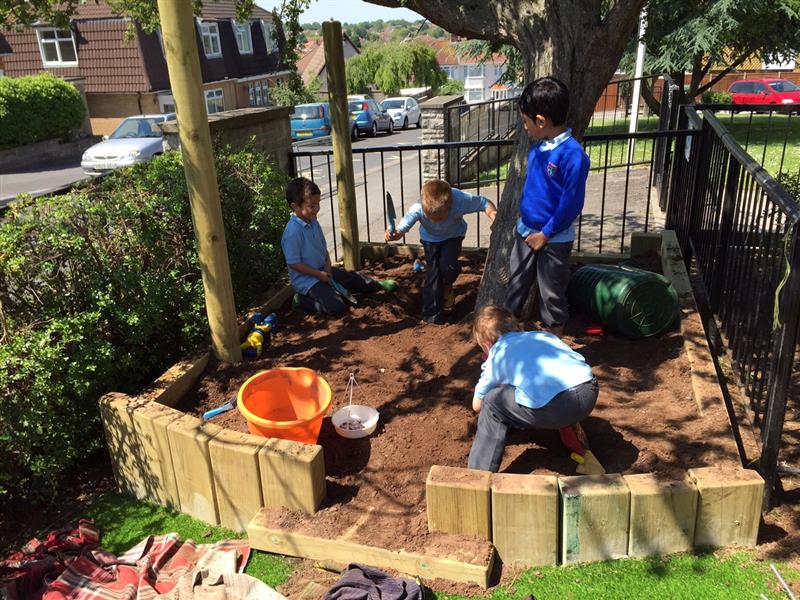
(210, 414)
(574, 438)
(391, 216)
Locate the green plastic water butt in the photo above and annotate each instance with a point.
(628, 301)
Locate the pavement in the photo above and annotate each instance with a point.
(40, 181)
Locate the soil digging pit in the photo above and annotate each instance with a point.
(420, 378)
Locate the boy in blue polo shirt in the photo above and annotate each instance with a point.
(306, 253)
(530, 380)
(440, 212)
(552, 198)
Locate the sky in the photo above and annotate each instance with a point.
(346, 11)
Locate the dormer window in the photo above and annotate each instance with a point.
(57, 47)
(244, 37)
(268, 29)
(211, 44)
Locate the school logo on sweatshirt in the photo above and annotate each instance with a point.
(551, 169)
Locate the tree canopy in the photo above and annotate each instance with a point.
(58, 12)
(578, 41)
(392, 67)
(696, 37)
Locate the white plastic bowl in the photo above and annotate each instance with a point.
(355, 414)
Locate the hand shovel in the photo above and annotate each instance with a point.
(210, 414)
(391, 216)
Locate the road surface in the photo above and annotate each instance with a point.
(40, 180)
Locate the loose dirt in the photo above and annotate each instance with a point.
(420, 378)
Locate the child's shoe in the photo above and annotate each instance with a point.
(435, 320)
(389, 285)
(448, 297)
(296, 302)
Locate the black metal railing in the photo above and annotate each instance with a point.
(769, 133)
(739, 229)
(619, 198)
(491, 119)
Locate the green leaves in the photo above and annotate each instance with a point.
(392, 67)
(38, 107)
(100, 290)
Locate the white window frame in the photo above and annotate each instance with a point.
(212, 96)
(243, 33)
(268, 31)
(56, 42)
(165, 101)
(210, 30)
(479, 74)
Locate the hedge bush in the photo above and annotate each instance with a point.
(791, 182)
(716, 98)
(38, 107)
(101, 290)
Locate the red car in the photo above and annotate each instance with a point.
(764, 91)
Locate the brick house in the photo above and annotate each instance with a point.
(312, 65)
(239, 61)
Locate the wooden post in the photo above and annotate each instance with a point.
(342, 148)
(183, 64)
(729, 508)
(459, 501)
(594, 518)
(525, 519)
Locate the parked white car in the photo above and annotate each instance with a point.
(136, 139)
(404, 111)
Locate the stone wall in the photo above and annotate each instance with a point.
(268, 127)
(436, 129)
(43, 153)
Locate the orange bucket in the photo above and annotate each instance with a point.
(285, 402)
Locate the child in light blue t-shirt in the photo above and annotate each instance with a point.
(530, 380)
(440, 213)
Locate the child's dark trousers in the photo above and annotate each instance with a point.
(550, 267)
(323, 298)
(501, 411)
(441, 270)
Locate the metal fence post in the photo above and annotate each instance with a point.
(729, 200)
(781, 371)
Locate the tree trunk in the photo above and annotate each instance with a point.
(578, 41)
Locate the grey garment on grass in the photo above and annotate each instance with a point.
(322, 298)
(360, 582)
(550, 267)
(501, 411)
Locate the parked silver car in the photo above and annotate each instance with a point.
(136, 139)
(404, 111)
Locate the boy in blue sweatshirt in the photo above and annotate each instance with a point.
(552, 199)
(530, 380)
(440, 212)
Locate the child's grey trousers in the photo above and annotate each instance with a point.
(501, 411)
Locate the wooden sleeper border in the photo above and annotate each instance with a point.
(164, 456)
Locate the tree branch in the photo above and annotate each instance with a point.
(742, 57)
(493, 20)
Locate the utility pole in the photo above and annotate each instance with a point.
(183, 64)
(342, 147)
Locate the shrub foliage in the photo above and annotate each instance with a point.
(38, 107)
(716, 98)
(101, 290)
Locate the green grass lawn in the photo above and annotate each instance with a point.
(124, 522)
(762, 136)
